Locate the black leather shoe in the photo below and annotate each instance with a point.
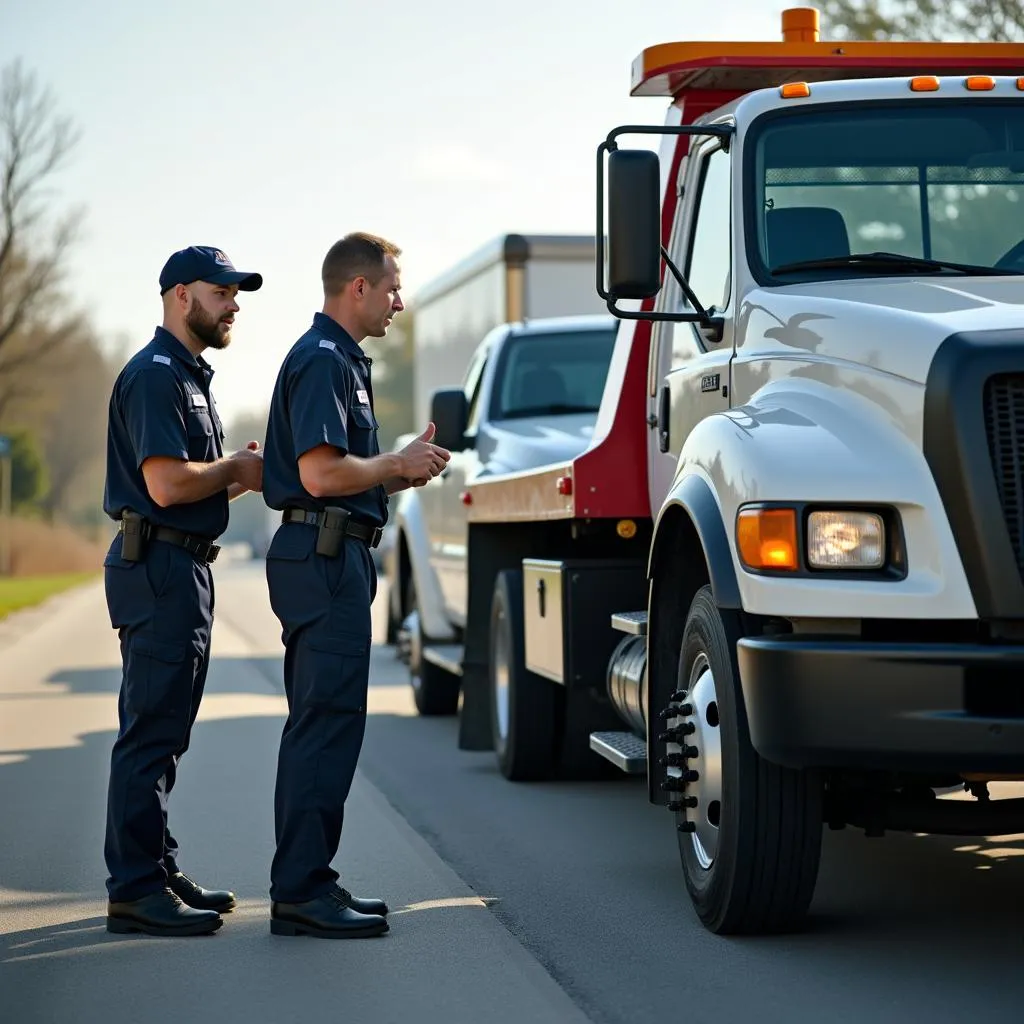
(160, 913)
(196, 896)
(327, 917)
(361, 906)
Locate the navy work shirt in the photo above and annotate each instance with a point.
(161, 406)
(322, 396)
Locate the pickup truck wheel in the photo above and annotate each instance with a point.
(523, 704)
(434, 691)
(749, 831)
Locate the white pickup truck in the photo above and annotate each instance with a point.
(530, 397)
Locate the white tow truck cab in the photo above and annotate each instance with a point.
(785, 579)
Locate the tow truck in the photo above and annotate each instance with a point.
(784, 581)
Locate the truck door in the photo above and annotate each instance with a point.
(689, 373)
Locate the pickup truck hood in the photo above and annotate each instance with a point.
(536, 441)
(891, 325)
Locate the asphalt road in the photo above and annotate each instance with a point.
(584, 877)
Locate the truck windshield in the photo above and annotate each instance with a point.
(933, 181)
(553, 374)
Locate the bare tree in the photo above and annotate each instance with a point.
(35, 142)
(980, 20)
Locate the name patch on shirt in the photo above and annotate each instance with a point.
(362, 397)
(325, 343)
(166, 360)
(199, 401)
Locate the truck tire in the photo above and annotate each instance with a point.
(749, 830)
(523, 704)
(434, 691)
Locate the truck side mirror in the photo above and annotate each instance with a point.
(634, 224)
(450, 412)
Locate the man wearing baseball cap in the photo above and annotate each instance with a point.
(168, 485)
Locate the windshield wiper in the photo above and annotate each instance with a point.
(874, 262)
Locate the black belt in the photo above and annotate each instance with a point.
(198, 547)
(361, 531)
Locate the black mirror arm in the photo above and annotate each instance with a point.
(705, 316)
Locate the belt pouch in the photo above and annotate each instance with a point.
(331, 532)
(133, 536)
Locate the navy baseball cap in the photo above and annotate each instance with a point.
(204, 263)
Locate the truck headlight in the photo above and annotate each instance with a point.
(845, 540)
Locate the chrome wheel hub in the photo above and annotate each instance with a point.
(694, 760)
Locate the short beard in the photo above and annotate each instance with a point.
(204, 327)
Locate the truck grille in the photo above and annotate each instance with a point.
(1004, 425)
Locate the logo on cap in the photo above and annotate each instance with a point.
(220, 257)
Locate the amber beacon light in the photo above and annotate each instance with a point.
(800, 25)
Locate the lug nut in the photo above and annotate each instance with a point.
(678, 695)
(686, 826)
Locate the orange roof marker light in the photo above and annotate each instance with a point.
(980, 83)
(795, 90)
(733, 68)
(924, 83)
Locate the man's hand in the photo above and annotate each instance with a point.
(247, 467)
(421, 461)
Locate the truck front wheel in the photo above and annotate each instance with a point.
(523, 704)
(749, 831)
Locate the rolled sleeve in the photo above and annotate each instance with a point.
(318, 404)
(153, 414)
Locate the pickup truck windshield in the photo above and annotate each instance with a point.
(553, 374)
(928, 180)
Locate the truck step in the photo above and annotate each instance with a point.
(625, 750)
(446, 656)
(630, 622)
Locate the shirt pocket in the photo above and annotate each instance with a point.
(200, 434)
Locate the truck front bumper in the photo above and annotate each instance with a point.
(909, 707)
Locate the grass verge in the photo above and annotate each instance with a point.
(23, 591)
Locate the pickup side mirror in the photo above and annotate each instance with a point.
(450, 412)
(634, 224)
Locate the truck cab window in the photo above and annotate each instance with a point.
(553, 374)
(708, 267)
(471, 386)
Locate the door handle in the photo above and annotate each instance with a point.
(664, 410)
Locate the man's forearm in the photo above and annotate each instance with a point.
(173, 482)
(343, 475)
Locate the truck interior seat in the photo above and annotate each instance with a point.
(797, 233)
(540, 386)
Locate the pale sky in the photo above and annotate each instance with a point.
(270, 129)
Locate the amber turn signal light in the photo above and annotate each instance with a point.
(924, 83)
(766, 538)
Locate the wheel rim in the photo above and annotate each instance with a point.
(500, 675)
(706, 737)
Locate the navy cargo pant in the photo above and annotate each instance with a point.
(162, 608)
(323, 605)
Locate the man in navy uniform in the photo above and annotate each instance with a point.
(168, 485)
(324, 471)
